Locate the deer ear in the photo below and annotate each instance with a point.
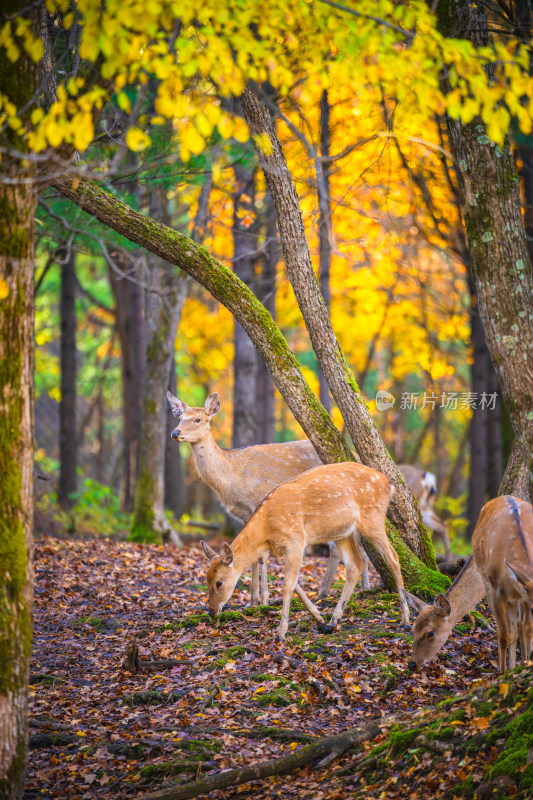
(226, 554)
(177, 406)
(442, 606)
(212, 405)
(209, 552)
(415, 602)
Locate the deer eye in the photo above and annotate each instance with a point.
(197, 420)
(431, 634)
(219, 584)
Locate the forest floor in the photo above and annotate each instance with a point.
(224, 695)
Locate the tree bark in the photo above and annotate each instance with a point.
(163, 306)
(17, 254)
(245, 357)
(173, 476)
(68, 448)
(403, 511)
(266, 294)
(130, 329)
(226, 287)
(497, 242)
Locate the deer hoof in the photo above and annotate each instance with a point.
(325, 627)
(405, 627)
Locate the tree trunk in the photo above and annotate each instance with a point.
(403, 511)
(245, 357)
(68, 448)
(266, 294)
(173, 476)
(324, 232)
(242, 303)
(17, 253)
(130, 328)
(497, 242)
(163, 307)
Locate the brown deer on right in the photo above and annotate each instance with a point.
(501, 568)
(424, 486)
(502, 550)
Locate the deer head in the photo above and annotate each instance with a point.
(431, 628)
(222, 576)
(193, 422)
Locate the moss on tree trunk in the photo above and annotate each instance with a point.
(17, 210)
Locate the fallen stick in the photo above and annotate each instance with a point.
(324, 750)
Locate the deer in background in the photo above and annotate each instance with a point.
(500, 568)
(333, 502)
(242, 477)
(424, 487)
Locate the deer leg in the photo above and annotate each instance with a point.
(293, 562)
(525, 631)
(447, 547)
(377, 536)
(263, 561)
(499, 609)
(254, 600)
(365, 583)
(313, 610)
(512, 622)
(354, 566)
(331, 572)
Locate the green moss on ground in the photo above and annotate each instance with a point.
(500, 745)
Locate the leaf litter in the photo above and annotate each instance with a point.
(214, 695)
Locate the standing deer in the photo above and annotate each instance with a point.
(242, 477)
(502, 550)
(333, 502)
(424, 487)
(503, 538)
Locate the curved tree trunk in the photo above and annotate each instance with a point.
(254, 318)
(17, 246)
(497, 242)
(403, 511)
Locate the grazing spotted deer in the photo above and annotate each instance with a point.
(502, 550)
(333, 502)
(424, 487)
(242, 477)
(435, 621)
(500, 568)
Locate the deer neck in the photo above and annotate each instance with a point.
(210, 460)
(466, 591)
(249, 544)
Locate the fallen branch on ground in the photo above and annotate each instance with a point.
(324, 750)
